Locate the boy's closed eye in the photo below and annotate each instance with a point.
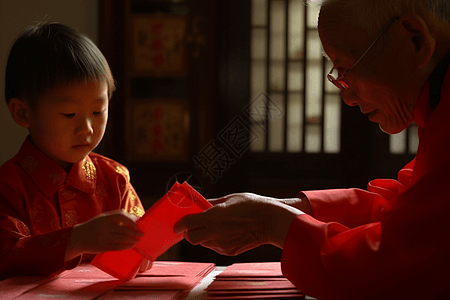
(96, 113)
(68, 115)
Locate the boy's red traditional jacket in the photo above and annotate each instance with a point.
(40, 203)
(393, 240)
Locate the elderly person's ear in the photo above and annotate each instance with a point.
(419, 34)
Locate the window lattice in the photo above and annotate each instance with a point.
(288, 66)
(286, 46)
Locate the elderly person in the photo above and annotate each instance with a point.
(391, 241)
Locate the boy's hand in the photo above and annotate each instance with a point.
(110, 231)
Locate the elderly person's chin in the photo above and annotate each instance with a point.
(388, 123)
(393, 127)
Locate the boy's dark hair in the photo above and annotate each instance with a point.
(48, 54)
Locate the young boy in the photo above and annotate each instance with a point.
(58, 201)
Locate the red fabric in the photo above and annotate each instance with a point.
(389, 242)
(40, 203)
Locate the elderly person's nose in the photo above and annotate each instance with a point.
(350, 98)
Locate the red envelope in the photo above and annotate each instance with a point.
(157, 224)
(123, 265)
(159, 220)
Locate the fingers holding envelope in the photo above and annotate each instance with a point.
(235, 224)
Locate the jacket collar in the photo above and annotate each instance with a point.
(49, 176)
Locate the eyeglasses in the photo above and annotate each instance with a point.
(339, 82)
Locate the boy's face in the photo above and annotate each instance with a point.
(69, 121)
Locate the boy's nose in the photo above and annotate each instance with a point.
(85, 126)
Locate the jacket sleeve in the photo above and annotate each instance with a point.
(349, 207)
(400, 253)
(24, 254)
(355, 207)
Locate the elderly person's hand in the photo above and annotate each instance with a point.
(239, 222)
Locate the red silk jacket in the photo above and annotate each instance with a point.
(391, 241)
(40, 203)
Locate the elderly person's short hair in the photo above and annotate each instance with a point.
(374, 14)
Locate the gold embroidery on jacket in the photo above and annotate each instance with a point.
(54, 224)
(29, 164)
(120, 170)
(89, 170)
(37, 213)
(71, 218)
(123, 171)
(68, 194)
(101, 190)
(57, 177)
(137, 211)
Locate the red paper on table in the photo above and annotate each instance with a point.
(144, 295)
(251, 285)
(265, 269)
(253, 281)
(85, 271)
(15, 286)
(70, 289)
(178, 268)
(157, 224)
(252, 292)
(161, 283)
(259, 296)
(249, 278)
